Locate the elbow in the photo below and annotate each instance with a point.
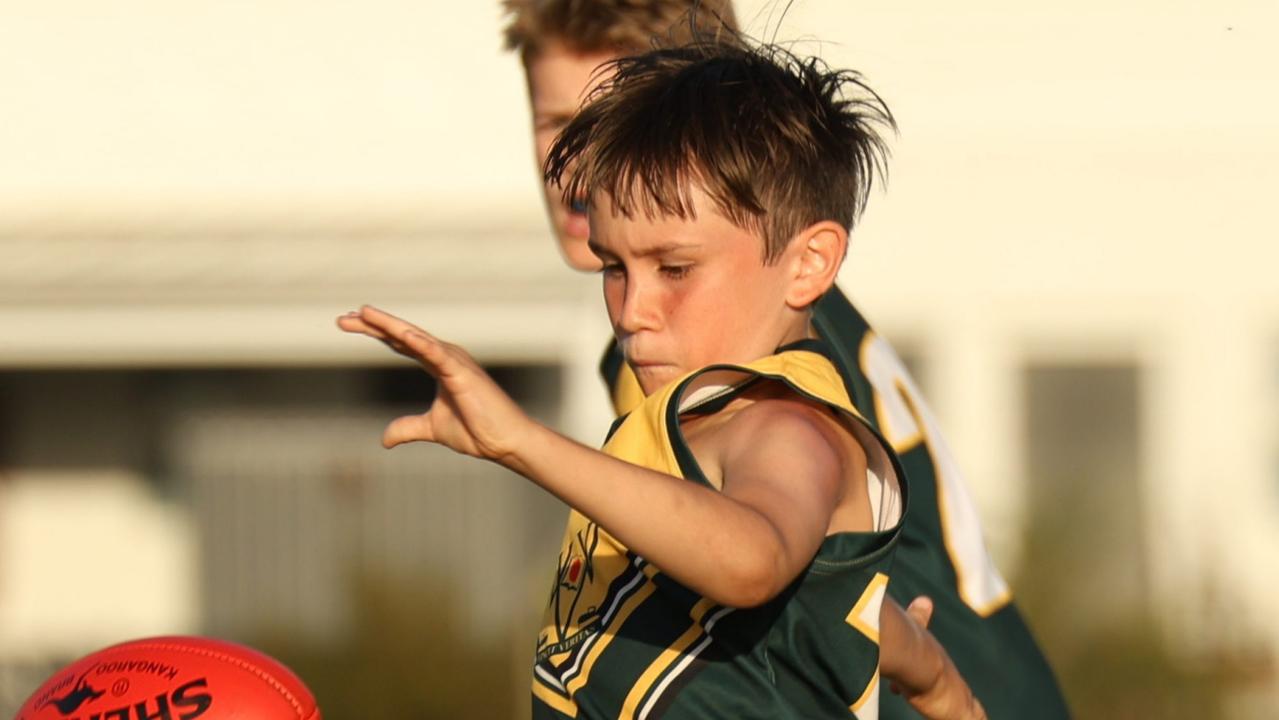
(748, 581)
(747, 597)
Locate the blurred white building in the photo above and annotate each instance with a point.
(1075, 252)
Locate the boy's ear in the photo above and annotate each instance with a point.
(818, 254)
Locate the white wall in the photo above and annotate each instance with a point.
(88, 559)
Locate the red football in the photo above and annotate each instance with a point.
(172, 678)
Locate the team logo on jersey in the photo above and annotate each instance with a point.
(573, 610)
(597, 585)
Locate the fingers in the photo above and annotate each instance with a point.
(410, 428)
(921, 610)
(353, 323)
(445, 362)
(389, 324)
(370, 321)
(432, 353)
(401, 336)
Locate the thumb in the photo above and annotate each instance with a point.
(409, 428)
(921, 610)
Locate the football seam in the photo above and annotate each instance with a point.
(243, 665)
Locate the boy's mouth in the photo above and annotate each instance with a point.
(640, 364)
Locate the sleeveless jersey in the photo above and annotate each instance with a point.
(620, 639)
(941, 552)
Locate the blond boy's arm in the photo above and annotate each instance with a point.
(738, 547)
(919, 668)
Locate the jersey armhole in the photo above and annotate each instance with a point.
(883, 479)
(708, 398)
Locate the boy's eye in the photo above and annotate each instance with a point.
(675, 272)
(612, 269)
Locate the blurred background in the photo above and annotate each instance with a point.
(1074, 254)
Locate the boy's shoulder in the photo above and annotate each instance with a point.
(771, 418)
(773, 444)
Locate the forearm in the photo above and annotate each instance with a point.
(711, 543)
(919, 669)
(908, 653)
(727, 550)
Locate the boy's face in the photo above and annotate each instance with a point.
(683, 294)
(558, 80)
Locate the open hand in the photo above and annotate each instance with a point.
(471, 414)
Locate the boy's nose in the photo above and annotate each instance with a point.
(637, 308)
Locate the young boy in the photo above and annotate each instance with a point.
(728, 551)
(562, 43)
(941, 555)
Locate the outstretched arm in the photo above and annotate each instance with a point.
(752, 539)
(919, 668)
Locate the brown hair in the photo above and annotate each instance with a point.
(623, 26)
(777, 141)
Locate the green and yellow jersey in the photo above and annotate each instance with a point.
(620, 639)
(941, 553)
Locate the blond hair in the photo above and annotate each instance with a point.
(621, 26)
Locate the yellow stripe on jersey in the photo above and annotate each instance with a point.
(869, 701)
(555, 700)
(659, 666)
(812, 373)
(865, 614)
(605, 638)
(888, 421)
